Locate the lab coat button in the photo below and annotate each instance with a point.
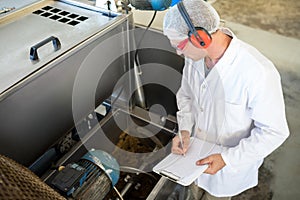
(201, 109)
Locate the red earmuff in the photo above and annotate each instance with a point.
(198, 36)
(201, 38)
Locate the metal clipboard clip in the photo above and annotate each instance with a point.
(170, 175)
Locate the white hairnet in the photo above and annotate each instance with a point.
(201, 13)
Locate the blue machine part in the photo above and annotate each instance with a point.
(106, 162)
(70, 178)
(174, 2)
(90, 178)
(160, 5)
(163, 4)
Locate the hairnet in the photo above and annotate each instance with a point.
(202, 14)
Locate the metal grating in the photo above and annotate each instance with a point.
(60, 15)
(18, 182)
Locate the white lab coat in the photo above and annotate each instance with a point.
(239, 106)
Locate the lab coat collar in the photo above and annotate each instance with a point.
(231, 52)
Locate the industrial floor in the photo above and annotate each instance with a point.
(273, 27)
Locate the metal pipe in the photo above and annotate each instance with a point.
(118, 193)
(139, 93)
(126, 188)
(135, 170)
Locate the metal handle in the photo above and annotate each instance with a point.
(33, 49)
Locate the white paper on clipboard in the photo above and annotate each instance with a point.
(183, 169)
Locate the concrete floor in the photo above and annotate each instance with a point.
(273, 27)
(274, 16)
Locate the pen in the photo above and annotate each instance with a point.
(181, 142)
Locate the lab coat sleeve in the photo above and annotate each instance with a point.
(184, 102)
(267, 110)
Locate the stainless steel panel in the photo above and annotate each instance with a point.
(36, 97)
(18, 36)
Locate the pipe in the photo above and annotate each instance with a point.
(139, 93)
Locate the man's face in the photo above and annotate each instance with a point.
(184, 47)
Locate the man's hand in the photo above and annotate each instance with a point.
(176, 145)
(215, 163)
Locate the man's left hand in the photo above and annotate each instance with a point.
(215, 163)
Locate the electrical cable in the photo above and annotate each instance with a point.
(118, 193)
(135, 57)
(139, 43)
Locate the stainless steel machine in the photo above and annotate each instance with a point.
(68, 88)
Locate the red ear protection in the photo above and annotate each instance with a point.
(198, 36)
(201, 38)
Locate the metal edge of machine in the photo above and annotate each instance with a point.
(19, 13)
(124, 20)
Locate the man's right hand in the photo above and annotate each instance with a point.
(176, 144)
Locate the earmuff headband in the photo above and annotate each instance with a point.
(186, 16)
(192, 28)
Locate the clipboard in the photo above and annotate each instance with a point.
(183, 169)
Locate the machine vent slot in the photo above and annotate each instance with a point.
(55, 10)
(64, 20)
(38, 12)
(55, 17)
(46, 14)
(73, 23)
(73, 16)
(47, 8)
(62, 16)
(82, 18)
(64, 13)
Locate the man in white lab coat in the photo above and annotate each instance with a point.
(230, 95)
